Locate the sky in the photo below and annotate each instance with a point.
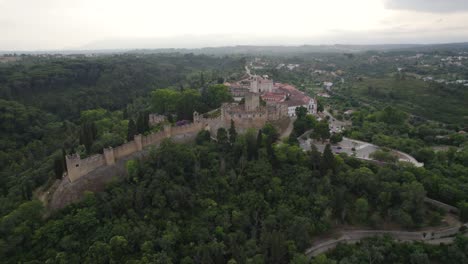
(114, 24)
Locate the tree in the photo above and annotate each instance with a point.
(142, 124)
(217, 94)
(221, 136)
(88, 134)
(392, 116)
(315, 157)
(463, 207)
(271, 133)
(119, 248)
(384, 156)
(292, 140)
(232, 132)
(301, 112)
(188, 102)
(132, 130)
(202, 137)
(336, 138)
(361, 207)
(319, 106)
(328, 160)
(259, 139)
(98, 252)
(322, 259)
(321, 131)
(252, 148)
(163, 101)
(305, 123)
(58, 167)
(223, 141)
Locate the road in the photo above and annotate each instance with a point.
(434, 235)
(335, 124)
(247, 70)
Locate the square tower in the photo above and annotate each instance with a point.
(252, 102)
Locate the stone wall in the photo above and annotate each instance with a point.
(153, 139)
(125, 149)
(77, 167)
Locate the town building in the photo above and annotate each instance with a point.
(286, 95)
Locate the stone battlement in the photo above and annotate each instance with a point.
(77, 167)
(251, 115)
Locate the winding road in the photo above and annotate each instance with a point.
(434, 236)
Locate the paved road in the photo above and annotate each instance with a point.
(353, 237)
(434, 236)
(335, 124)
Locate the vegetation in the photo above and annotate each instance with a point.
(50, 107)
(268, 201)
(386, 250)
(238, 198)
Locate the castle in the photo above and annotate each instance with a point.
(249, 115)
(260, 85)
(273, 93)
(279, 101)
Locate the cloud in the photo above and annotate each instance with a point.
(432, 6)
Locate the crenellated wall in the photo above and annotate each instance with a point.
(77, 167)
(125, 149)
(153, 139)
(256, 117)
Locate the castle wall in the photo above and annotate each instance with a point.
(152, 139)
(243, 120)
(125, 149)
(76, 167)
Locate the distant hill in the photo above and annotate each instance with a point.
(338, 48)
(269, 50)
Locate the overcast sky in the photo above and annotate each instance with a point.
(98, 24)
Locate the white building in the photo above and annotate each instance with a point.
(309, 103)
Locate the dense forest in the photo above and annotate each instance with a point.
(235, 198)
(50, 107)
(385, 250)
(66, 86)
(240, 198)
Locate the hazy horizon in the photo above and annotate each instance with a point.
(48, 25)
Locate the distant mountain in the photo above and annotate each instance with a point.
(263, 50)
(285, 50)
